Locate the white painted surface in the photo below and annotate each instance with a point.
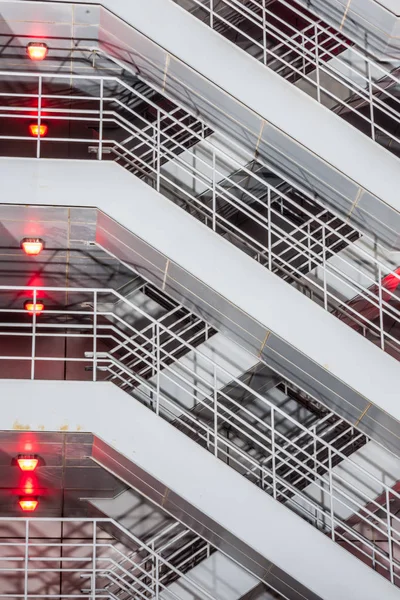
(219, 575)
(392, 5)
(132, 511)
(217, 491)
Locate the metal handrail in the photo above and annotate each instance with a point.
(151, 148)
(94, 560)
(378, 299)
(309, 48)
(285, 463)
(162, 542)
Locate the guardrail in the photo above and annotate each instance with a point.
(302, 49)
(286, 230)
(307, 470)
(88, 561)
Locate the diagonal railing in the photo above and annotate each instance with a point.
(289, 232)
(296, 45)
(289, 459)
(88, 561)
(178, 545)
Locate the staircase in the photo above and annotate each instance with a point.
(252, 361)
(302, 458)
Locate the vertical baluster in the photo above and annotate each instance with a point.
(26, 560)
(158, 150)
(153, 351)
(371, 101)
(153, 567)
(33, 353)
(93, 594)
(315, 456)
(154, 150)
(324, 267)
(214, 199)
(158, 368)
(40, 92)
(157, 578)
(269, 229)
(100, 149)
(215, 413)
(273, 450)
(264, 18)
(381, 307)
(389, 534)
(317, 63)
(331, 493)
(94, 336)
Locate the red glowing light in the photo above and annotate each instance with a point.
(28, 504)
(27, 463)
(37, 130)
(32, 246)
(392, 281)
(34, 308)
(29, 486)
(37, 50)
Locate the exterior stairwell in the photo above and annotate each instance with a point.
(201, 255)
(247, 105)
(129, 440)
(289, 446)
(226, 348)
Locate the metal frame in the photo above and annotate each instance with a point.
(103, 565)
(305, 55)
(299, 254)
(177, 544)
(277, 452)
